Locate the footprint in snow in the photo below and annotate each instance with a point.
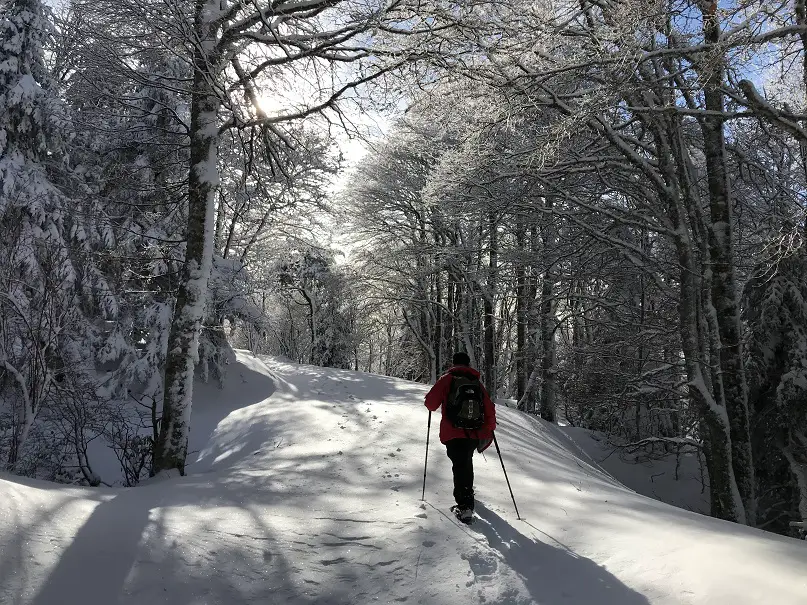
(483, 565)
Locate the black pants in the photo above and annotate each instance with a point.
(461, 453)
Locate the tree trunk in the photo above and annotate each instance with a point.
(489, 318)
(724, 287)
(418, 332)
(24, 417)
(171, 448)
(640, 354)
(313, 322)
(438, 320)
(521, 312)
(449, 336)
(547, 322)
(726, 502)
(801, 20)
(528, 401)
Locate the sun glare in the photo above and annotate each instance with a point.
(270, 105)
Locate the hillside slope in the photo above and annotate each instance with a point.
(306, 489)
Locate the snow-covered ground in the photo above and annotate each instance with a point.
(654, 477)
(306, 489)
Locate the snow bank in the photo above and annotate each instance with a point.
(657, 478)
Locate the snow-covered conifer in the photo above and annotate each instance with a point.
(46, 279)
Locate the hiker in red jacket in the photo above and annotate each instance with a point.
(449, 394)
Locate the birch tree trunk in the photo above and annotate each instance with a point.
(171, 448)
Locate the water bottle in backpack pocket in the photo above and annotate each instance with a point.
(465, 405)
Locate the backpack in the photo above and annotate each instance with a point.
(465, 404)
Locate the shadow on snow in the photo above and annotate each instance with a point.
(553, 574)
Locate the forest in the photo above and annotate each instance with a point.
(601, 201)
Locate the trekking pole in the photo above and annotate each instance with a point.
(428, 431)
(498, 451)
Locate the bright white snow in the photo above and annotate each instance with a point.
(307, 490)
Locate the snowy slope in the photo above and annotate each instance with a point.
(651, 477)
(307, 490)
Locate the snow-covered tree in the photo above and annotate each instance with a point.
(622, 108)
(49, 282)
(244, 61)
(309, 281)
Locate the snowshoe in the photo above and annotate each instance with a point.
(466, 515)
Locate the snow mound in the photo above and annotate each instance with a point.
(307, 488)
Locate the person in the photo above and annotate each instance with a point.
(461, 442)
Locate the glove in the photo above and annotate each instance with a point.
(483, 445)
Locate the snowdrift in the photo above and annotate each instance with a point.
(305, 488)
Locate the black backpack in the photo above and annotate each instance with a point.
(465, 405)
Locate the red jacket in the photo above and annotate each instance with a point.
(436, 397)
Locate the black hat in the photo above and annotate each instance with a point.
(461, 359)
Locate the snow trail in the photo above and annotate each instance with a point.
(306, 489)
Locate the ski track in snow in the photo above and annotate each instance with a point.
(306, 490)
